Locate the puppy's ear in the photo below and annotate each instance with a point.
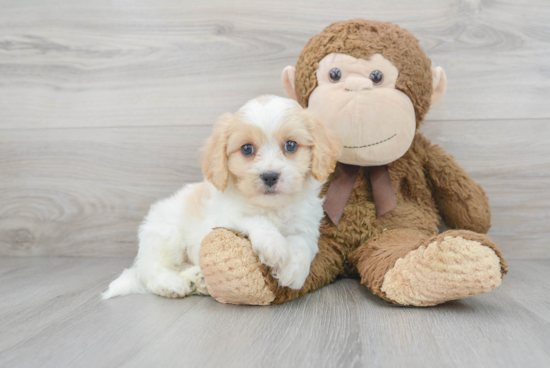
(214, 159)
(325, 151)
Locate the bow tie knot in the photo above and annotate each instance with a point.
(342, 184)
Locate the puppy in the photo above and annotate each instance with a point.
(264, 167)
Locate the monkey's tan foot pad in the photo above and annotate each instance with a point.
(232, 271)
(453, 265)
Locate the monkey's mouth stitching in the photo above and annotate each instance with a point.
(372, 144)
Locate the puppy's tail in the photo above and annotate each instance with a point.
(127, 283)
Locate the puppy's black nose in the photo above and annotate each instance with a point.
(270, 178)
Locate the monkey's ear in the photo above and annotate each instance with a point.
(287, 77)
(439, 83)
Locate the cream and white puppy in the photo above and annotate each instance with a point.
(264, 167)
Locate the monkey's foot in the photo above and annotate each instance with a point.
(454, 265)
(232, 271)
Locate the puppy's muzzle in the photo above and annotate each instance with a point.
(270, 178)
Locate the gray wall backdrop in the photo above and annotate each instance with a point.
(104, 105)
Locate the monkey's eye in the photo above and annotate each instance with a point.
(376, 77)
(247, 150)
(334, 75)
(291, 146)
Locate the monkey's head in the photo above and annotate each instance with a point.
(371, 83)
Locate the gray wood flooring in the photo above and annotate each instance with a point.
(51, 315)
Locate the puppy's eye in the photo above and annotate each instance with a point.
(291, 146)
(247, 150)
(376, 77)
(334, 75)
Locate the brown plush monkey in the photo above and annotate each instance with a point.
(373, 84)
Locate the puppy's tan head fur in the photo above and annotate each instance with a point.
(267, 124)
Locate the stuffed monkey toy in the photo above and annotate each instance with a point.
(372, 84)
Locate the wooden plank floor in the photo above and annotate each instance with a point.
(51, 315)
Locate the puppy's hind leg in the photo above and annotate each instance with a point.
(161, 260)
(194, 275)
(169, 284)
(172, 284)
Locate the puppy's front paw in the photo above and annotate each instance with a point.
(293, 275)
(271, 247)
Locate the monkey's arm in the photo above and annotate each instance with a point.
(461, 202)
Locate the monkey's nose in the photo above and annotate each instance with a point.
(270, 178)
(357, 84)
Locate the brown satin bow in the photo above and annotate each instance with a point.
(342, 183)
